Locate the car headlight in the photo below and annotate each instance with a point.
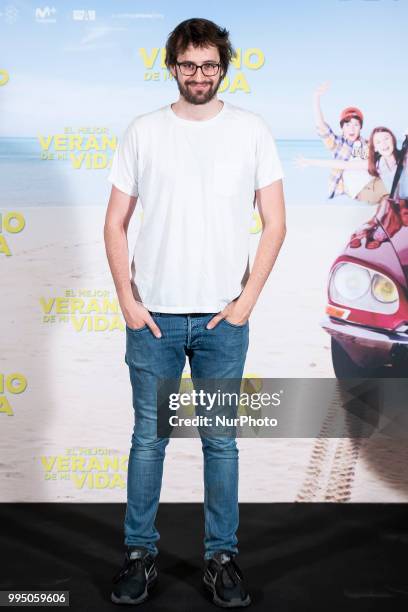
(352, 282)
(384, 289)
(357, 286)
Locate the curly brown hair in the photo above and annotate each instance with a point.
(200, 33)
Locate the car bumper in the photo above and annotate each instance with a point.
(365, 346)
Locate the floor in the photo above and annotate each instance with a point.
(301, 556)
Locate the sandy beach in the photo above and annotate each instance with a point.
(68, 435)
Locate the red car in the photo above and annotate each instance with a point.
(367, 311)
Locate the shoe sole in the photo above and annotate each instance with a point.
(234, 603)
(126, 599)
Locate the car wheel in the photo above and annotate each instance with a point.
(345, 367)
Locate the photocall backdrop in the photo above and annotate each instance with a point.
(71, 80)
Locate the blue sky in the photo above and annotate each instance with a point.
(71, 73)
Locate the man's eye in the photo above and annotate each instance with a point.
(209, 65)
(188, 65)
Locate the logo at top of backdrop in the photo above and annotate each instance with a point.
(45, 14)
(250, 59)
(10, 13)
(137, 16)
(83, 15)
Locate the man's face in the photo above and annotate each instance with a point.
(351, 129)
(198, 89)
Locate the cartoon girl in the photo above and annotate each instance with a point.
(383, 156)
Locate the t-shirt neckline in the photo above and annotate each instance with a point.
(204, 122)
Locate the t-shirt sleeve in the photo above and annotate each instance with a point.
(123, 172)
(268, 167)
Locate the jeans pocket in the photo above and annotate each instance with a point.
(234, 324)
(137, 329)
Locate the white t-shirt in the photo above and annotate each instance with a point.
(196, 182)
(355, 180)
(386, 174)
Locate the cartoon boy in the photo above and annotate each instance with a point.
(347, 146)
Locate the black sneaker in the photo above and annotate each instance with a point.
(223, 578)
(137, 575)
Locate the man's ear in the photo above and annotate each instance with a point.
(172, 70)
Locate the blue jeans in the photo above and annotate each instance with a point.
(212, 353)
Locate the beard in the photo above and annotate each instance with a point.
(202, 97)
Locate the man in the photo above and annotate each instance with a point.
(347, 146)
(197, 166)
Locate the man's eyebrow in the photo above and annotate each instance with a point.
(204, 62)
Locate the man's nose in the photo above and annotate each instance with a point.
(199, 75)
